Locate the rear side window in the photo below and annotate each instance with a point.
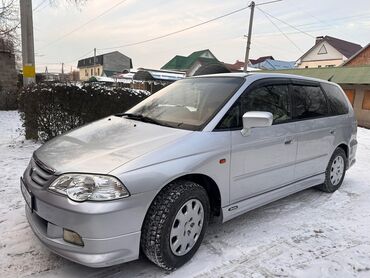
(309, 102)
(337, 100)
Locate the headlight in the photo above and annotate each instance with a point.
(82, 187)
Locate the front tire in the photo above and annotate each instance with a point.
(175, 224)
(335, 171)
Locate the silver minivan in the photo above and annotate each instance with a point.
(212, 147)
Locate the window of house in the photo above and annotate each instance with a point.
(92, 72)
(322, 50)
(309, 102)
(306, 67)
(366, 100)
(351, 95)
(99, 71)
(86, 72)
(271, 98)
(319, 66)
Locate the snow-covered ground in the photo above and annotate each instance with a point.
(309, 234)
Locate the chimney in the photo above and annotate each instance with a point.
(318, 39)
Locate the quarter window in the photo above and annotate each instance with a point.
(336, 99)
(309, 102)
(271, 98)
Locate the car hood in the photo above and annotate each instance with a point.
(104, 145)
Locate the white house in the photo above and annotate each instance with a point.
(327, 52)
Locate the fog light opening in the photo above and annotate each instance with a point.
(72, 237)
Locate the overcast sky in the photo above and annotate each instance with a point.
(57, 41)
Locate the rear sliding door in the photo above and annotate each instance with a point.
(314, 131)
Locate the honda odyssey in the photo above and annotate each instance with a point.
(150, 179)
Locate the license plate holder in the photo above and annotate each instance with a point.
(27, 195)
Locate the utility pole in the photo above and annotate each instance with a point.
(28, 51)
(246, 61)
(94, 61)
(47, 73)
(252, 5)
(62, 71)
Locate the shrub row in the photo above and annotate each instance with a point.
(48, 110)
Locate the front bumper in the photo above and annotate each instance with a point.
(95, 253)
(110, 230)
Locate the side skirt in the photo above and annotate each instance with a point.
(241, 207)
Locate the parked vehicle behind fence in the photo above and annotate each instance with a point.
(205, 147)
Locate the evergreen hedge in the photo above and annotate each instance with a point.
(48, 110)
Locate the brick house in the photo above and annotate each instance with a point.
(360, 58)
(8, 73)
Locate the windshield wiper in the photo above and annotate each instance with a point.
(142, 118)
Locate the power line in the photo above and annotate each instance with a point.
(84, 24)
(286, 23)
(39, 5)
(281, 31)
(82, 56)
(175, 32)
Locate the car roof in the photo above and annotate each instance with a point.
(264, 75)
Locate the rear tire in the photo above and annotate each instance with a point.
(335, 171)
(175, 224)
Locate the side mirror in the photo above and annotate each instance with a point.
(255, 119)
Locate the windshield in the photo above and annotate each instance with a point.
(188, 103)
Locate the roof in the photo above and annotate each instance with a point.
(259, 75)
(176, 62)
(184, 63)
(163, 75)
(274, 64)
(212, 68)
(260, 59)
(237, 66)
(341, 75)
(346, 48)
(356, 54)
(110, 73)
(99, 59)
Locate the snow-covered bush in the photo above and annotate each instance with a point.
(51, 109)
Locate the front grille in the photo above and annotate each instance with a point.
(39, 173)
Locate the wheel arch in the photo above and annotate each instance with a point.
(203, 180)
(344, 147)
(211, 187)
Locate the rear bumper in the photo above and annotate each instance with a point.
(95, 252)
(352, 153)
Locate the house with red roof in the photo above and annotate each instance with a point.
(328, 52)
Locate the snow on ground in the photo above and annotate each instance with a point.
(309, 234)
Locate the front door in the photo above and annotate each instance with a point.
(264, 159)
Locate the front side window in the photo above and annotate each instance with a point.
(309, 102)
(189, 103)
(270, 98)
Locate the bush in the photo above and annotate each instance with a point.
(49, 110)
(8, 100)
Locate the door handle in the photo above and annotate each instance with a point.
(332, 131)
(289, 141)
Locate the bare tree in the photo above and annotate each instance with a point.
(9, 22)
